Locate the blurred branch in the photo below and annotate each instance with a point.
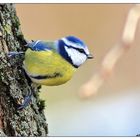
(109, 61)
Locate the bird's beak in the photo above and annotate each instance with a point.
(90, 56)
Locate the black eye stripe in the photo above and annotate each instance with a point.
(81, 50)
(78, 49)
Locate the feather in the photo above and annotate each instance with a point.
(39, 46)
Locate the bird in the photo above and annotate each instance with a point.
(53, 63)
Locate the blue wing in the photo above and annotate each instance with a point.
(38, 45)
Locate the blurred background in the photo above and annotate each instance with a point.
(114, 111)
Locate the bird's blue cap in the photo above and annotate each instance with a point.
(75, 40)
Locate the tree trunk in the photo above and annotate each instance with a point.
(14, 84)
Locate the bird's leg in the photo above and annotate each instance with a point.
(27, 99)
(33, 88)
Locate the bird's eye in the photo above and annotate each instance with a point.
(81, 50)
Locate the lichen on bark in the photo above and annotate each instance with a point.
(14, 84)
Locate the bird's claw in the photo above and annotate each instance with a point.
(23, 103)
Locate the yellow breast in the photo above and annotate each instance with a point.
(47, 67)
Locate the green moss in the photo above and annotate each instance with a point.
(16, 22)
(7, 28)
(41, 104)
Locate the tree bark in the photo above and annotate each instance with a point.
(14, 84)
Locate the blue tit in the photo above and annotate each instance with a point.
(53, 63)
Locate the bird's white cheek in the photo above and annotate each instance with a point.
(76, 57)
